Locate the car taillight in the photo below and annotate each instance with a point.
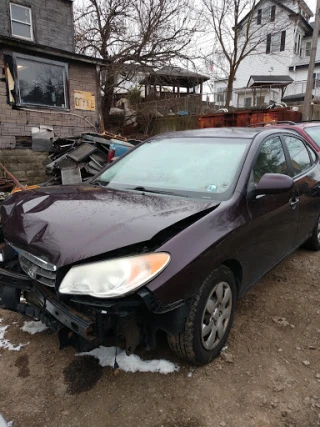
(111, 154)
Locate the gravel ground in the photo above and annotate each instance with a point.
(268, 376)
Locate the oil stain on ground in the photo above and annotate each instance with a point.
(82, 374)
(22, 363)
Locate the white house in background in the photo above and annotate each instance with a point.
(278, 69)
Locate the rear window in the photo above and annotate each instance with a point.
(314, 133)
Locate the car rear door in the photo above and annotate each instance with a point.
(306, 174)
(274, 217)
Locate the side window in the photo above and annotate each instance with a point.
(312, 155)
(300, 159)
(271, 159)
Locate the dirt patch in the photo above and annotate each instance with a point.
(82, 374)
(271, 380)
(23, 364)
(178, 423)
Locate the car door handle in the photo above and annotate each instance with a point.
(293, 202)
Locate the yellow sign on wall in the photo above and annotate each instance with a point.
(84, 100)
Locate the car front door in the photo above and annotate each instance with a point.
(306, 174)
(274, 217)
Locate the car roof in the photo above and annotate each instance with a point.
(223, 132)
(308, 124)
(300, 125)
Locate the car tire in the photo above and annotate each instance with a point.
(313, 243)
(212, 307)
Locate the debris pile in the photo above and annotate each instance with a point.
(77, 159)
(6, 185)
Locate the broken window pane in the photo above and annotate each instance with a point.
(41, 83)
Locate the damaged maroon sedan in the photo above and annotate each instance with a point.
(166, 238)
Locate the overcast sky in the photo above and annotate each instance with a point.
(312, 4)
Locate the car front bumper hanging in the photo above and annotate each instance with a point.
(86, 322)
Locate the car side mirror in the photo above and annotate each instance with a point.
(274, 183)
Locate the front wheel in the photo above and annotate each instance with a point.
(209, 320)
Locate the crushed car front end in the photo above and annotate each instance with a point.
(89, 279)
(30, 286)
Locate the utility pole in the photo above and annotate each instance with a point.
(310, 80)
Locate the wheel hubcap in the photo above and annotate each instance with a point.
(217, 314)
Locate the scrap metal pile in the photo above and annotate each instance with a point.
(75, 160)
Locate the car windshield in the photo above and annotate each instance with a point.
(191, 167)
(314, 133)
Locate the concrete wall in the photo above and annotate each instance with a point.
(15, 123)
(52, 22)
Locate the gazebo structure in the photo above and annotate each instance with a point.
(175, 78)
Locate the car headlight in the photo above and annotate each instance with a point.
(113, 278)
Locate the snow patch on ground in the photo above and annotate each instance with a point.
(4, 343)
(3, 423)
(33, 327)
(132, 363)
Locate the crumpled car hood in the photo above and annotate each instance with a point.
(69, 224)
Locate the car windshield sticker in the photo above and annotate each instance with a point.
(211, 187)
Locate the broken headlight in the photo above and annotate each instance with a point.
(113, 278)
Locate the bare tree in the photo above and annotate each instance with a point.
(241, 30)
(143, 32)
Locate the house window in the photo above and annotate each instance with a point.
(297, 44)
(247, 102)
(308, 49)
(273, 13)
(41, 82)
(21, 21)
(275, 42)
(316, 80)
(259, 101)
(221, 95)
(259, 16)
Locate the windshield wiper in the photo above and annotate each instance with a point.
(150, 190)
(100, 183)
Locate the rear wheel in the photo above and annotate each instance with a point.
(209, 320)
(313, 243)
